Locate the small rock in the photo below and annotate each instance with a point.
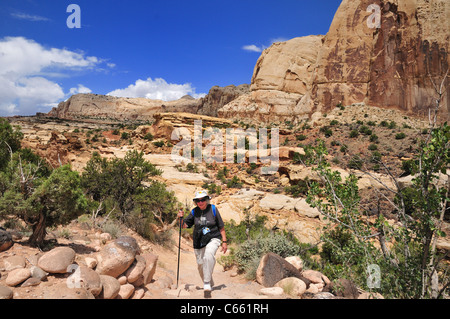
(90, 262)
(324, 295)
(122, 280)
(17, 276)
(272, 291)
(138, 294)
(111, 287)
(31, 282)
(5, 292)
(136, 269)
(90, 280)
(151, 261)
(105, 237)
(370, 295)
(313, 275)
(125, 291)
(14, 262)
(38, 273)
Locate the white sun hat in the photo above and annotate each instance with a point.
(201, 194)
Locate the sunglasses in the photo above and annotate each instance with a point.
(200, 200)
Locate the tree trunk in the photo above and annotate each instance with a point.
(37, 238)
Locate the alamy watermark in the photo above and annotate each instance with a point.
(239, 145)
(374, 276)
(374, 20)
(74, 19)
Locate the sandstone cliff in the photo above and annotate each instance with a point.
(388, 65)
(281, 78)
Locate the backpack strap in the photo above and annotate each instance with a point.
(213, 209)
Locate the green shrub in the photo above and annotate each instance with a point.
(400, 136)
(297, 190)
(148, 137)
(354, 133)
(326, 131)
(373, 138)
(355, 162)
(159, 143)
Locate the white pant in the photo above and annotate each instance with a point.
(206, 259)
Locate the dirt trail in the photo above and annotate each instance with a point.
(227, 285)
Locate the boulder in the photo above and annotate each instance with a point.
(303, 208)
(90, 280)
(6, 240)
(273, 268)
(277, 201)
(134, 272)
(57, 260)
(111, 287)
(292, 286)
(115, 257)
(5, 292)
(17, 276)
(296, 261)
(150, 269)
(316, 277)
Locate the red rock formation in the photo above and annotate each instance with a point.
(390, 64)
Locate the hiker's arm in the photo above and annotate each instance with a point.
(224, 240)
(185, 223)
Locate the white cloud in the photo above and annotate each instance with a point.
(80, 89)
(157, 89)
(29, 17)
(253, 48)
(261, 48)
(25, 67)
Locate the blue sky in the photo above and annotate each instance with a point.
(154, 48)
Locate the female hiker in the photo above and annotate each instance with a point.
(209, 234)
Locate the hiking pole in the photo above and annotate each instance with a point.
(179, 248)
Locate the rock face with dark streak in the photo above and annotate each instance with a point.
(388, 64)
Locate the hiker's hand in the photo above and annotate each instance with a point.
(180, 213)
(224, 248)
